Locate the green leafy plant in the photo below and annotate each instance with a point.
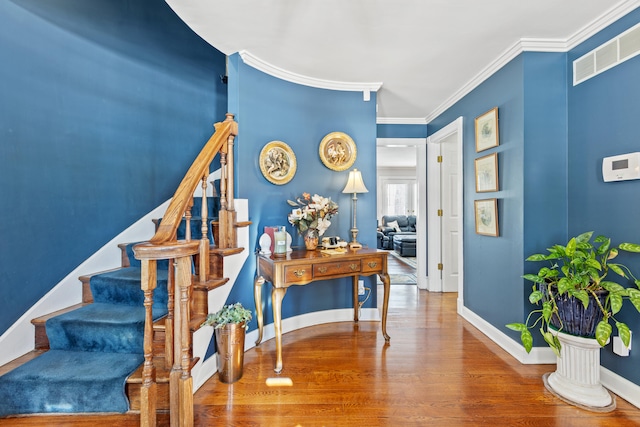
(580, 270)
(232, 313)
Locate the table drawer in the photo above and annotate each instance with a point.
(333, 268)
(372, 264)
(298, 273)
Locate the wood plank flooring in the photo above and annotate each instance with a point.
(438, 370)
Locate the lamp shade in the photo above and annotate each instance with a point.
(355, 183)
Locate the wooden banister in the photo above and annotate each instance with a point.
(183, 195)
(164, 245)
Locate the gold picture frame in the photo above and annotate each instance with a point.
(487, 173)
(277, 162)
(486, 126)
(486, 213)
(338, 151)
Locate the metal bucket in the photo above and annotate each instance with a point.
(230, 344)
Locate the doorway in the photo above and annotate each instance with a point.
(444, 211)
(402, 162)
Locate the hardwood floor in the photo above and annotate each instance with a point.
(438, 370)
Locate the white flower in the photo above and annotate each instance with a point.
(323, 224)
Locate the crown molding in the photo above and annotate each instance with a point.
(401, 120)
(603, 21)
(261, 65)
(537, 45)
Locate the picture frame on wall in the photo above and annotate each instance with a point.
(486, 213)
(277, 162)
(486, 126)
(487, 173)
(337, 151)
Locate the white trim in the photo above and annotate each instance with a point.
(207, 368)
(390, 142)
(538, 355)
(275, 71)
(401, 121)
(603, 21)
(545, 356)
(69, 290)
(422, 275)
(620, 386)
(433, 201)
(525, 45)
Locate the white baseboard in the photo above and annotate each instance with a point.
(18, 339)
(544, 355)
(205, 369)
(620, 386)
(538, 355)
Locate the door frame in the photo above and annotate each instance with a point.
(421, 218)
(434, 197)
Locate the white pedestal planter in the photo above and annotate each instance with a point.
(577, 376)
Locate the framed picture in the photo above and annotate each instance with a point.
(487, 217)
(487, 173)
(338, 151)
(277, 162)
(487, 130)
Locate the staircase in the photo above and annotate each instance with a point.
(128, 346)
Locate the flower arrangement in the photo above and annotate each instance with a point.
(312, 213)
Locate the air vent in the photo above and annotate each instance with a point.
(630, 43)
(584, 67)
(608, 55)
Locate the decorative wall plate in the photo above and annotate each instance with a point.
(277, 162)
(338, 151)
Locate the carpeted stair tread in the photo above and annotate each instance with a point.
(69, 382)
(122, 286)
(103, 327)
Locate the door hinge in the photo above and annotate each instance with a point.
(440, 266)
(439, 159)
(440, 212)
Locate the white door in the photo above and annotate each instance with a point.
(444, 190)
(450, 213)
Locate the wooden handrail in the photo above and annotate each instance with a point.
(164, 245)
(184, 194)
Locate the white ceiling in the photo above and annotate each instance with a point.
(424, 52)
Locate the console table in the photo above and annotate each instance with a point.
(302, 267)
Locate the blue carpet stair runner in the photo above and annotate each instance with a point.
(92, 351)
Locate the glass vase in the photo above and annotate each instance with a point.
(311, 239)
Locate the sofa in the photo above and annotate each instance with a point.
(395, 225)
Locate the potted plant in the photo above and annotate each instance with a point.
(578, 299)
(230, 324)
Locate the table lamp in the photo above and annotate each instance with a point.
(355, 185)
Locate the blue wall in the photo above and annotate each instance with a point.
(531, 98)
(271, 109)
(104, 105)
(401, 131)
(603, 121)
(553, 137)
(492, 266)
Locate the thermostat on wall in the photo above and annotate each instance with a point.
(621, 168)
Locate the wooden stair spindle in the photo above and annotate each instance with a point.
(149, 387)
(203, 259)
(169, 320)
(185, 381)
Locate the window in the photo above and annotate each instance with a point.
(399, 196)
